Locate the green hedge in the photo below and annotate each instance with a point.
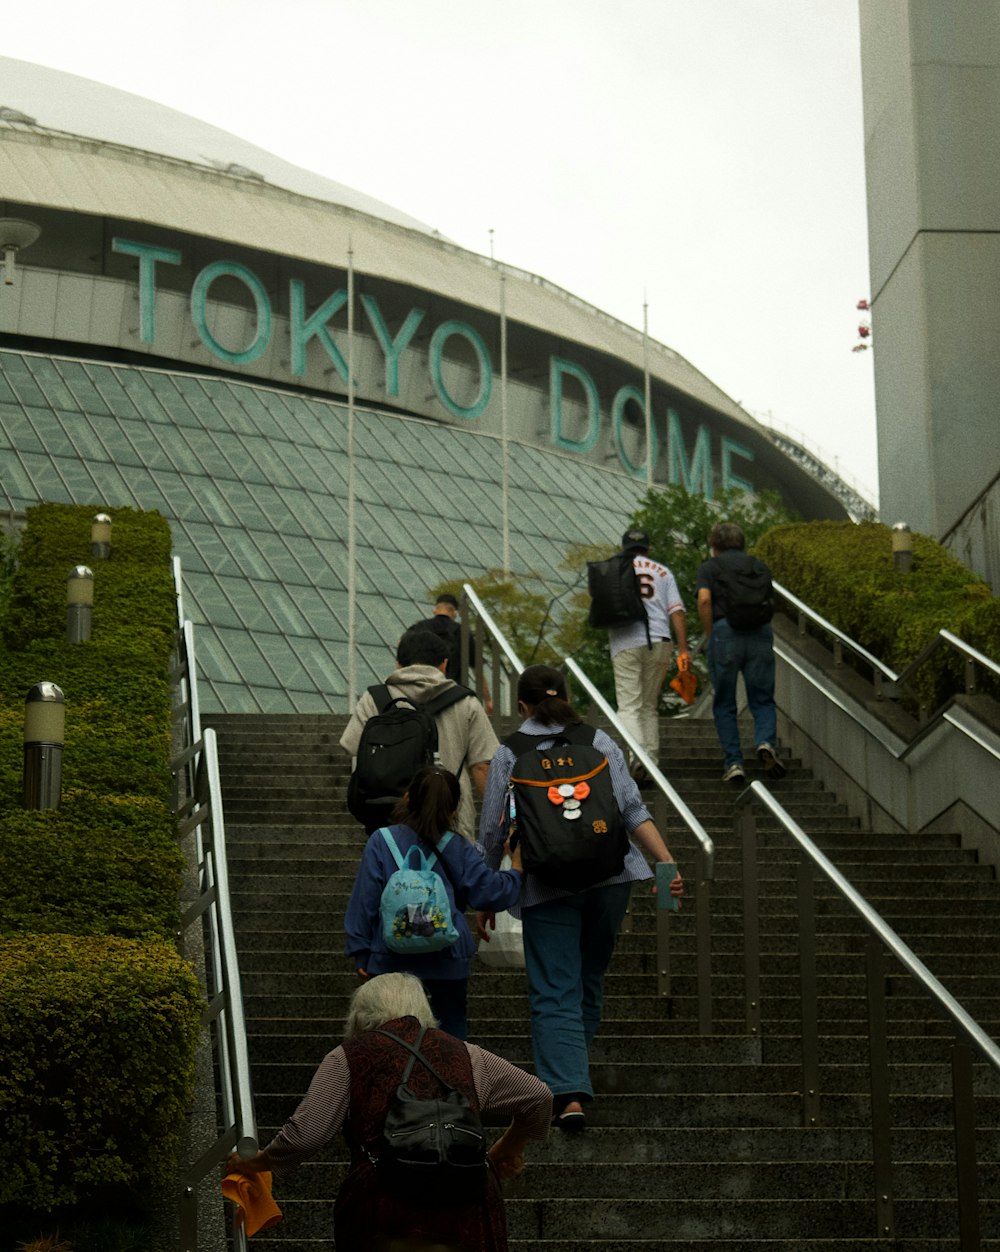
(98, 1013)
(95, 1075)
(98, 865)
(846, 573)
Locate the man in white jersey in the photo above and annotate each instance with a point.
(641, 661)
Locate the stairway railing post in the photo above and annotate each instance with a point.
(809, 993)
(963, 1101)
(878, 1054)
(703, 927)
(746, 830)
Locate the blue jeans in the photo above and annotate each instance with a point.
(568, 944)
(750, 653)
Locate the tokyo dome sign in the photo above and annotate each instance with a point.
(391, 366)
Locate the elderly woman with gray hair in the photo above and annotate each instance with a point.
(351, 1092)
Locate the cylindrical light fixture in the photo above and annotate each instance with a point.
(44, 732)
(15, 234)
(100, 537)
(79, 604)
(902, 548)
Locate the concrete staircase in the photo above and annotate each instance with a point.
(692, 1140)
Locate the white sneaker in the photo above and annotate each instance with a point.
(768, 758)
(734, 774)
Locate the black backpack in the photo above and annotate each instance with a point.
(432, 1150)
(398, 740)
(571, 831)
(615, 594)
(745, 591)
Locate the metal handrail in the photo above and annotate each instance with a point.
(841, 642)
(889, 684)
(666, 795)
(971, 656)
(198, 804)
(882, 936)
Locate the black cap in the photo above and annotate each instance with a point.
(635, 541)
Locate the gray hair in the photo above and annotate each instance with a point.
(385, 997)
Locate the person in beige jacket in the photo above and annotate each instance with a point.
(466, 741)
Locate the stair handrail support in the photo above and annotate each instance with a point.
(199, 810)
(971, 658)
(969, 1035)
(882, 675)
(887, 683)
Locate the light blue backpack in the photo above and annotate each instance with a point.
(415, 911)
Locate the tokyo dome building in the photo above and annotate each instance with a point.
(292, 373)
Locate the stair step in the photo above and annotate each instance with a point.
(714, 1123)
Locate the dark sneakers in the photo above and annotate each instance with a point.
(735, 775)
(770, 764)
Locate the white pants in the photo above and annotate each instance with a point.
(639, 675)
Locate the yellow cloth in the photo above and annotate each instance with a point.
(252, 1192)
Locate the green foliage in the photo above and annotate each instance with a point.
(94, 1070)
(133, 587)
(525, 608)
(96, 865)
(98, 1015)
(545, 618)
(9, 546)
(846, 573)
(677, 524)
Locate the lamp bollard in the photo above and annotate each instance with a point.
(79, 604)
(100, 537)
(44, 722)
(902, 548)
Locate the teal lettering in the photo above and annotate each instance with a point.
(301, 328)
(262, 302)
(557, 369)
(440, 337)
(622, 397)
(393, 348)
(148, 256)
(700, 465)
(731, 448)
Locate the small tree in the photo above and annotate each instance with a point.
(677, 523)
(545, 618)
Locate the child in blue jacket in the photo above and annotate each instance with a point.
(425, 816)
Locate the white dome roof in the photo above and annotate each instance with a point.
(34, 96)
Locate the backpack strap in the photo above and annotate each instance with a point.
(417, 1056)
(430, 858)
(382, 696)
(446, 699)
(575, 732)
(393, 846)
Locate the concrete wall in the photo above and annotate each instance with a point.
(931, 80)
(890, 773)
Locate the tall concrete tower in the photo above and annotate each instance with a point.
(931, 75)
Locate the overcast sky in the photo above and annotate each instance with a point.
(703, 156)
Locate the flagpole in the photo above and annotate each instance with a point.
(505, 489)
(352, 665)
(647, 391)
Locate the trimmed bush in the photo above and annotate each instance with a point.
(98, 1014)
(98, 865)
(95, 1069)
(846, 573)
